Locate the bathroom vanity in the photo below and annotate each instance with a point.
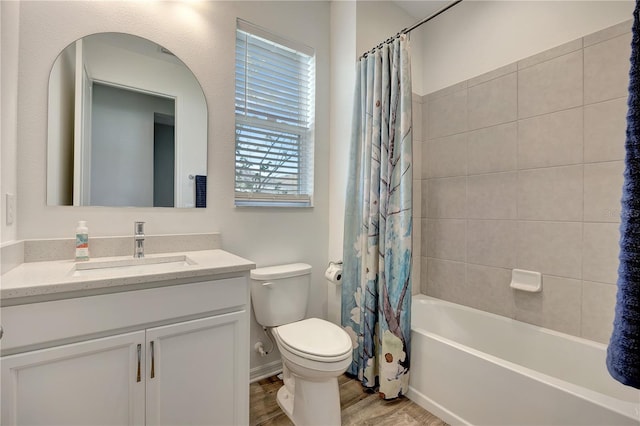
(159, 341)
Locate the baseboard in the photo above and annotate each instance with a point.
(264, 371)
(435, 408)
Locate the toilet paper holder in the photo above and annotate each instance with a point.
(334, 272)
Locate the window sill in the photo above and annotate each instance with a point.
(272, 203)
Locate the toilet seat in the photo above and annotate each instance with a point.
(315, 339)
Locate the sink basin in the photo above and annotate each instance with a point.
(120, 265)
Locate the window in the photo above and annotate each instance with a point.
(275, 88)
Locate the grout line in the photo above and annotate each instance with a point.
(508, 268)
(625, 34)
(582, 247)
(516, 237)
(493, 219)
(466, 190)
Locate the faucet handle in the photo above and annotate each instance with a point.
(138, 228)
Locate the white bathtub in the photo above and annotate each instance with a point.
(473, 367)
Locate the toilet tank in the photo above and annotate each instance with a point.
(279, 293)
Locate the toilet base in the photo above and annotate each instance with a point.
(285, 401)
(314, 403)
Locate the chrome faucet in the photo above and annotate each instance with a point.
(138, 239)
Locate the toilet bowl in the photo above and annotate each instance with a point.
(314, 352)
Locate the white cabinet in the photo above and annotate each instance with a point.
(165, 369)
(87, 383)
(194, 374)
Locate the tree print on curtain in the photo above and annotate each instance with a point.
(376, 284)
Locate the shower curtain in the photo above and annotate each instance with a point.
(623, 353)
(376, 289)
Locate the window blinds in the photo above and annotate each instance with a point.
(274, 119)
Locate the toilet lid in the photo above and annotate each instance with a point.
(315, 336)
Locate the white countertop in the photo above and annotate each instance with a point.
(54, 277)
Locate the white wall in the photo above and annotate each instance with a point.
(202, 34)
(379, 20)
(475, 37)
(9, 28)
(343, 60)
(355, 28)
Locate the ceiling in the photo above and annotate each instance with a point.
(420, 9)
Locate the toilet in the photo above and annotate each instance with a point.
(314, 351)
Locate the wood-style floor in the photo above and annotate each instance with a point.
(358, 407)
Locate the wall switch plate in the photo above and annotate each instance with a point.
(10, 201)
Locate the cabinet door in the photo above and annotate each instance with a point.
(88, 383)
(198, 372)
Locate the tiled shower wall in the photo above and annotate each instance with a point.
(522, 168)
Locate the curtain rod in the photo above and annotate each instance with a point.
(411, 28)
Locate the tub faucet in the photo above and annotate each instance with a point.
(138, 239)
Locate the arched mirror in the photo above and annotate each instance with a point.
(127, 126)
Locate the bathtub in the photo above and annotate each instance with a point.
(473, 367)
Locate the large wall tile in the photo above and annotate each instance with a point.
(551, 86)
(603, 191)
(557, 307)
(446, 279)
(424, 157)
(606, 69)
(447, 198)
(448, 156)
(598, 307)
(553, 193)
(416, 159)
(446, 239)
(425, 118)
(418, 237)
(553, 248)
(550, 140)
(422, 279)
(493, 102)
(416, 119)
(447, 114)
(424, 232)
(416, 190)
(492, 196)
(600, 252)
(494, 149)
(492, 242)
(489, 289)
(424, 197)
(605, 126)
(416, 264)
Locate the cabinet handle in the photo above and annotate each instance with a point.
(1, 332)
(153, 366)
(138, 378)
